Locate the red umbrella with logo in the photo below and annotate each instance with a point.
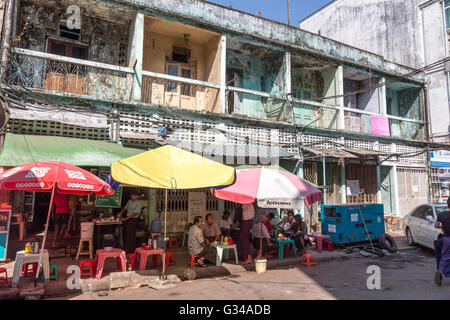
(48, 176)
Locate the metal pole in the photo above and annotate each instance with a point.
(289, 12)
(45, 235)
(165, 229)
(324, 181)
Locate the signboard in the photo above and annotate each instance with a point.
(196, 205)
(379, 125)
(332, 228)
(353, 187)
(440, 159)
(112, 201)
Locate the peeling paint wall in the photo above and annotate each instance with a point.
(107, 41)
(262, 70)
(410, 33)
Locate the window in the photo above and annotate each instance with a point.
(181, 54)
(234, 79)
(67, 49)
(74, 34)
(421, 212)
(447, 13)
(179, 71)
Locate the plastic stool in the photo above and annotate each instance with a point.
(168, 260)
(131, 260)
(258, 253)
(328, 245)
(27, 272)
(173, 243)
(3, 280)
(309, 259)
(53, 272)
(87, 263)
(191, 260)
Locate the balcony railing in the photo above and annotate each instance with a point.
(315, 115)
(404, 128)
(178, 92)
(50, 72)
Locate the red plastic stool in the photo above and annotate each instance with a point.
(27, 272)
(309, 259)
(288, 247)
(191, 260)
(131, 260)
(258, 252)
(173, 243)
(168, 260)
(3, 280)
(87, 263)
(328, 245)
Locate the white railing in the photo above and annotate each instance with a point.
(50, 72)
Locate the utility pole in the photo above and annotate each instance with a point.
(289, 12)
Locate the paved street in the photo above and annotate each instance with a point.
(408, 275)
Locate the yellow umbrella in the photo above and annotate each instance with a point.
(169, 167)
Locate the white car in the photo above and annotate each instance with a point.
(419, 224)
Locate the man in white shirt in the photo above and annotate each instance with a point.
(225, 224)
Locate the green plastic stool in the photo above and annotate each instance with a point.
(53, 272)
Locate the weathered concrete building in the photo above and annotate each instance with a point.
(238, 88)
(413, 33)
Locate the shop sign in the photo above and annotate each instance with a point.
(440, 159)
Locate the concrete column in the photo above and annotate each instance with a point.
(339, 82)
(136, 52)
(288, 86)
(382, 97)
(379, 200)
(395, 184)
(343, 186)
(223, 73)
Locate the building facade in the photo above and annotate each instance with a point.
(413, 33)
(125, 76)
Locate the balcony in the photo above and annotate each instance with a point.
(59, 74)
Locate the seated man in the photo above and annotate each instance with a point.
(300, 234)
(211, 231)
(266, 222)
(261, 237)
(197, 245)
(286, 226)
(224, 224)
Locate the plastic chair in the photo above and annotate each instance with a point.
(309, 259)
(168, 260)
(3, 280)
(173, 243)
(87, 263)
(192, 260)
(328, 245)
(27, 272)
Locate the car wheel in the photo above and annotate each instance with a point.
(409, 237)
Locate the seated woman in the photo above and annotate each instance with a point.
(261, 237)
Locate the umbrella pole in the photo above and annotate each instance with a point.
(45, 235)
(165, 229)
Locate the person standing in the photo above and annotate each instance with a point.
(61, 215)
(443, 243)
(133, 209)
(244, 251)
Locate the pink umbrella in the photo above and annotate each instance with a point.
(271, 188)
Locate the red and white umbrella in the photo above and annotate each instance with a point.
(48, 176)
(43, 176)
(271, 188)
